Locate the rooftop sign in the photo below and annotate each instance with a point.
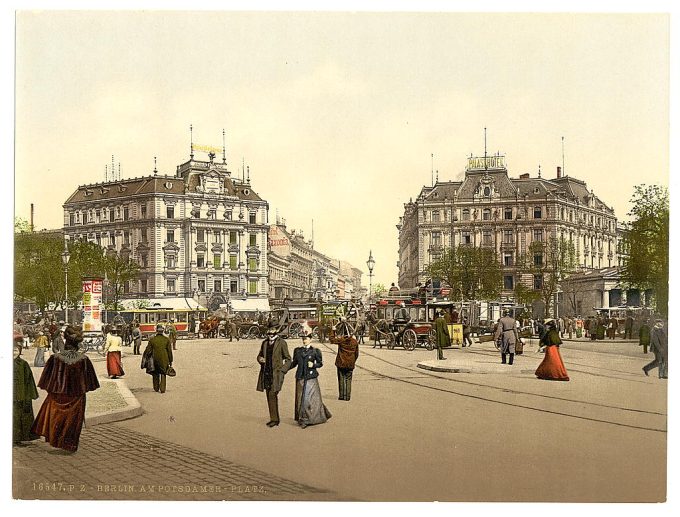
(486, 162)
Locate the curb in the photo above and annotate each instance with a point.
(498, 368)
(132, 410)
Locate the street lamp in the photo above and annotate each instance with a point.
(65, 257)
(371, 264)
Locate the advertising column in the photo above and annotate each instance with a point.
(92, 305)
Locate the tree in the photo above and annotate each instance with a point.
(38, 268)
(647, 242)
(524, 295)
(549, 263)
(378, 290)
(472, 273)
(21, 225)
(119, 269)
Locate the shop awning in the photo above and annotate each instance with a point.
(249, 305)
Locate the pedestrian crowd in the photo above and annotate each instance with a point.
(68, 374)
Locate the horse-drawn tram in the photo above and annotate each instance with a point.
(148, 318)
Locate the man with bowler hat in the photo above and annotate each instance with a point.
(274, 360)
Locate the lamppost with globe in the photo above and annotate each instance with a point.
(65, 257)
(371, 264)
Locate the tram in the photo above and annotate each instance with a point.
(150, 317)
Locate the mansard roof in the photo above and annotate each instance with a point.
(154, 185)
(499, 178)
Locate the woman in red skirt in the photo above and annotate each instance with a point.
(67, 376)
(552, 368)
(112, 349)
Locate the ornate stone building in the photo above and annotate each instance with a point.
(299, 272)
(489, 208)
(200, 233)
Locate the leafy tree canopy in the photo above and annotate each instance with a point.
(647, 243)
(473, 273)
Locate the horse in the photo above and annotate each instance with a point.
(208, 327)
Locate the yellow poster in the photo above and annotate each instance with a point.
(456, 333)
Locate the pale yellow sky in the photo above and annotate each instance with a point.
(337, 114)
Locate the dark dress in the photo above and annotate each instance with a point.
(552, 368)
(309, 407)
(67, 377)
(24, 394)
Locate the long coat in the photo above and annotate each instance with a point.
(280, 363)
(442, 332)
(507, 332)
(659, 342)
(159, 346)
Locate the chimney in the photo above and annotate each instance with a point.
(524, 176)
(559, 172)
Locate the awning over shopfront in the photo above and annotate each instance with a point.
(162, 303)
(249, 305)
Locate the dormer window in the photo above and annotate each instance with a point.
(487, 191)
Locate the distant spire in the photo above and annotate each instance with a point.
(155, 170)
(106, 173)
(224, 148)
(437, 175)
(432, 168)
(539, 170)
(191, 137)
(248, 177)
(564, 172)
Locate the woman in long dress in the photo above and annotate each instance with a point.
(112, 349)
(41, 344)
(309, 406)
(25, 393)
(552, 368)
(67, 377)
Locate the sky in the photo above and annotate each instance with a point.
(338, 114)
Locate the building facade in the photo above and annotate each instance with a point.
(488, 208)
(200, 233)
(299, 272)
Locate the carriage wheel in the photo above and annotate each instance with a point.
(99, 345)
(315, 332)
(431, 340)
(294, 329)
(389, 339)
(253, 332)
(409, 339)
(242, 333)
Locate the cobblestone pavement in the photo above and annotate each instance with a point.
(113, 462)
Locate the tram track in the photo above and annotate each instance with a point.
(507, 390)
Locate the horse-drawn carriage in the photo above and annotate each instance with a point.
(384, 323)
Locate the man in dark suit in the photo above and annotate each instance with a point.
(274, 360)
(161, 350)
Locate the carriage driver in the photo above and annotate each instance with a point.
(401, 319)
